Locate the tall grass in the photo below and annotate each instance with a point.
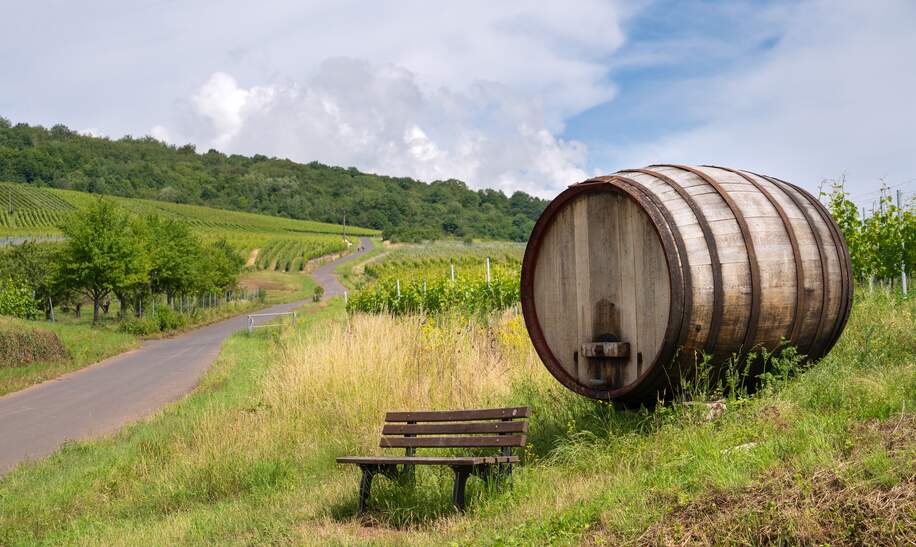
(250, 458)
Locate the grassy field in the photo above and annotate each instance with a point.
(823, 455)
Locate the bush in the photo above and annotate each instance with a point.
(21, 347)
(139, 327)
(169, 319)
(16, 300)
(319, 292)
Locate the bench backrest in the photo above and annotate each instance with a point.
(489, 428)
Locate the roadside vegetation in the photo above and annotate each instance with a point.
(821, 454)
(116, 278)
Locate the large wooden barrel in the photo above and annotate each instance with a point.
(627, 277)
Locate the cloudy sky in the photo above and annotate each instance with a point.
(509, 95)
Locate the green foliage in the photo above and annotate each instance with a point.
(105, 252)
(469, 295)
(879, 244)
(405, 209)
(290, 254)
(426, 286)
(30, 210)
(175, 256)
(16, 299)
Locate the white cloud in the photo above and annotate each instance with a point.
(91, 132)
(160, 133)
(382, 119)
(835, 95)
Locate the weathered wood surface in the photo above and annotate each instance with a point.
(459, 415)
(454, 428)
(494, 441)
(426, 460)
(762, 263)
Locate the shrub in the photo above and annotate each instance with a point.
(139, 327)
(169, 319)
(24, 346)
(16, 300)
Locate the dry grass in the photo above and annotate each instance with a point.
(342, 378)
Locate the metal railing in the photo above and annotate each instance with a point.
(252, 326)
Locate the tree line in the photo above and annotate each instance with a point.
(403, 208)
(108, 252)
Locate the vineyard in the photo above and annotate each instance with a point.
(29, 210)
(293, 254)
(440, 277)
(882, 244)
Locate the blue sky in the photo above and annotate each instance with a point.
(511, 95)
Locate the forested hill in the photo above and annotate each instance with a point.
(404, 208)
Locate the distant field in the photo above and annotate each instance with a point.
(31, 211)
(28, 210)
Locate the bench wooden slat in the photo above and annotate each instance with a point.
(424, 460)
(458, 415)
(453, 442)
(455, 428)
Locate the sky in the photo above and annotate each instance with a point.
(529, 96)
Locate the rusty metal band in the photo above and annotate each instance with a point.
(748, 246)
(529, 309)
(845, 265)
(825, 287)
(718, 295)
(800, 303)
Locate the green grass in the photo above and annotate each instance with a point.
(249, 457)
(86, 346)
(281, 287)
(38, 211)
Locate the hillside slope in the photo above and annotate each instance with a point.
(404, 208)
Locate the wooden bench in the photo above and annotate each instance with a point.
(490, 428)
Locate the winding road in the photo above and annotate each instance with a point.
(99, 399)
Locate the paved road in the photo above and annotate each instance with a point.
(98, 400)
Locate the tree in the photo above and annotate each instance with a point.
(35, 264)
(105, 251)
(221, 266)
(175, 255)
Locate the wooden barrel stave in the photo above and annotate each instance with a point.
(680, 259)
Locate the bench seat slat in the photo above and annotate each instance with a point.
(453, 442)
(455, 428)
(458, 415)
(425, 460)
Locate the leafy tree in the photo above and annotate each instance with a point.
(105, 251)
(221, 266)
(35, 264)
(175, 256)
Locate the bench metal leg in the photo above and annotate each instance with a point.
(461, 481)
(365, 487)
